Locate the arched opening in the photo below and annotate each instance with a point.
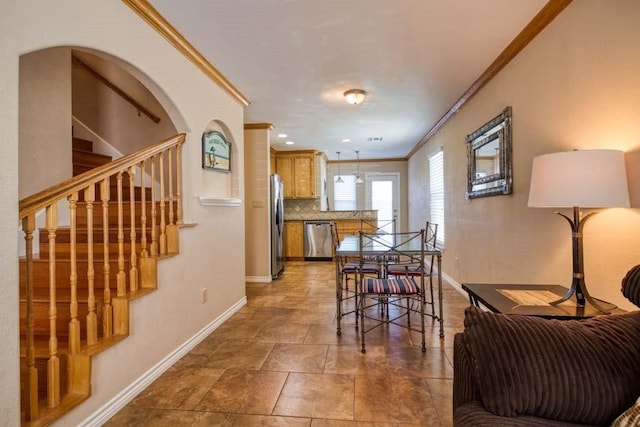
(67, 93)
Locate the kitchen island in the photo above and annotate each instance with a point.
(347, 223)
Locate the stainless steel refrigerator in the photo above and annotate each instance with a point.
(277, 226)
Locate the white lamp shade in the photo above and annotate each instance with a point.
(583, 178)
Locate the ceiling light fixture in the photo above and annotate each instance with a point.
(358, 179)
(339, 180)
(282, 135)
(355, 96)
(289, 142)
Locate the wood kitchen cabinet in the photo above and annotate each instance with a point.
(293, 239)
(298, 172)
(346, 227)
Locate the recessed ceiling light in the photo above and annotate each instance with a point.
(289, 142)
(346, 140)
(282, 135)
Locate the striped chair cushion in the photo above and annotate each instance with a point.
(401, 285)
(352, 267)
(399, 269)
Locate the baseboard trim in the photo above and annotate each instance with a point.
(455, 285)
(258, 279)
(108, 410)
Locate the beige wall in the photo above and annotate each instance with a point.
(575, 86)
(257, 206)
(45, 120)
(211, 253)
(108, 114)
(368, 168)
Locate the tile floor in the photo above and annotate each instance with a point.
(279, 362)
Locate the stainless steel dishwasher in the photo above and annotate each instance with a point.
(318, 241)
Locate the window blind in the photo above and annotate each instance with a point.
(436, 193)
(344, 193)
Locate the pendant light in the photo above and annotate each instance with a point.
(358, 179)
(339, 180)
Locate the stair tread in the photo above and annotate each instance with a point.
(41, 345)
(48, 415)
(63, 294)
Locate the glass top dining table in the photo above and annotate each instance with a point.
(381, 245)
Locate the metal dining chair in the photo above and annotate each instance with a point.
(403, 295)
(348, 268)
(413, 268)
(373, 226)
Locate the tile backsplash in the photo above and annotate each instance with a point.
(303, 207)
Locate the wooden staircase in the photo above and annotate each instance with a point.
(75, 289)
(83, 157)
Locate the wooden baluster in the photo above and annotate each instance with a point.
(143, 214)
(133, 270)
(31, 384)
(122, 276)
(172, 230)
(148, 265)
(74, 323)
(107, 309)
(120, 303)
(163, 223)
(170, 163)
(53, 364)
(179, 185)
(154, 214)
(92, 318)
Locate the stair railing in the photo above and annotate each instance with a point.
(114, 317)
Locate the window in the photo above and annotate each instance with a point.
(436, 193)
(344, 193)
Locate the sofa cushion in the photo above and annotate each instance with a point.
(583, 371)
(473, 414)
(631, 285)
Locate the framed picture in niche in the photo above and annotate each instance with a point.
(216, 151)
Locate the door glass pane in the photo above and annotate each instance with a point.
(382, 201)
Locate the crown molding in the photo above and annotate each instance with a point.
(397, 159)
(258, 126)
(539, 22)
(162, 26)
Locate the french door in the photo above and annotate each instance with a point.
(383, 195)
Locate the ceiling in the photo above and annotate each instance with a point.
(294, 59)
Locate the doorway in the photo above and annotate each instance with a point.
(382, 195)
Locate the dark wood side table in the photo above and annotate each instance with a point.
(530, 300)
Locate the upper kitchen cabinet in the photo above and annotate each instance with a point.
(298, 172)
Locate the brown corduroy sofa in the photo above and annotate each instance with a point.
(512, 370)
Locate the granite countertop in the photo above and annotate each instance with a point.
(330, 215)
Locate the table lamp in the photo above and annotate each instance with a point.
(575, 179)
